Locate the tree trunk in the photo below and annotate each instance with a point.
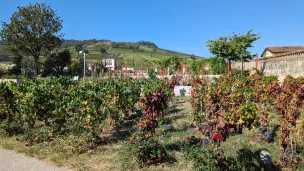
(36, 64)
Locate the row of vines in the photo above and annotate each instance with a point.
(226, 106)
(42, 110)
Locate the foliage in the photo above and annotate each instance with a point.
(9, 114)
(56, 62)
(155, 98)
(32, 32)
(78, 48)
(231, 103)
(192, 57)
(197, 67)
(147, 43)
(103, 50)
(205, 154)
(76, 67)
(5, 68)
(233, 47)
(289, 105)
(17, 60)
(66, 43)
(27, 67)
(217, 65)
(124, 45)
(56, 107)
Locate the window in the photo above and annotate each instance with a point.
(109, 62)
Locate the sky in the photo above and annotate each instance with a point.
(179, 25)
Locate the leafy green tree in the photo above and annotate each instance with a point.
(233, 48)
(86, 51)
(32, 32)
(78, 47)
(172, 62)
(196, 66)
(56, 62)
(16, 70)
(192, 57)
(217, 65)
(103, 50)
(27, 67)
(76, 67)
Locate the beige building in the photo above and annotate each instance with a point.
(280, 50)
(279, 61)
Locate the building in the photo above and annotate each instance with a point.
(280, 50)
(279, 61)
(110, 62)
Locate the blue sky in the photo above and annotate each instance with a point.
(181, 25)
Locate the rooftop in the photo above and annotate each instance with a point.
(282, 49)
(110, 57)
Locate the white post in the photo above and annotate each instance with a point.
(84, 63)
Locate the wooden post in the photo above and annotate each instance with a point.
(183, 74)
(229, 67)
(189, 71)
(257, 61)
(177, 73)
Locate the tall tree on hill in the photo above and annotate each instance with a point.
(103, 50)
(33, 31)
(192, 57)
(233, 48)
(78, 47)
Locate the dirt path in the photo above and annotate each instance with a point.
(12, 161)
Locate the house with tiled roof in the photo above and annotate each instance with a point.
(280, 51)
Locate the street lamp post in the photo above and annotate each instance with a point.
(84, 63)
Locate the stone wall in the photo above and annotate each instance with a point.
(280, 66)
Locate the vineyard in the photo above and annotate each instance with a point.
(150, 127)
(231, 104)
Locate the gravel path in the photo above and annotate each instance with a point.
(12, 161)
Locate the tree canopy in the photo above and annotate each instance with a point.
(103, 50)
(33, 31)
(233, 47)
(78, 47)
(56, 62)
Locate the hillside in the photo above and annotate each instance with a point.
(143, 53)
(126, 51)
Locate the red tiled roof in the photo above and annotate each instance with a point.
(282, 49)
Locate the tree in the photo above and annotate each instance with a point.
(197, 66)
(56, 62)
(217, 65)
(86, 51)
(103, 50)
(192, 57)
(32, 32)
(16, 70)
(78, 48)
(233, 47)
(173, 62)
